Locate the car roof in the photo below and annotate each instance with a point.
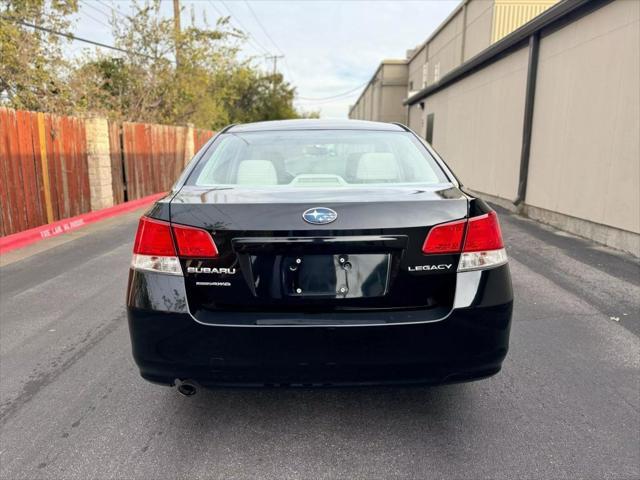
(313, 124)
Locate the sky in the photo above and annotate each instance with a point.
(331, 48)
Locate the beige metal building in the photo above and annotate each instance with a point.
(545, 119)
(548, 119)
(469, 29)
(382, 98)
(472, 27)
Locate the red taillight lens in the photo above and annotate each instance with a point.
(154, 238)
(483, 233)
(194, 242)
(445, 238)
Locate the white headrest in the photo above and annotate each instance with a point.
(257, 172)
(377, 166)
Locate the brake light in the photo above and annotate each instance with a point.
(194, 242)
(154, 238)
(153, 249)
(481, 247)
(483, 233)
(445, 238)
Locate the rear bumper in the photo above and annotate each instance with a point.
(470, 342)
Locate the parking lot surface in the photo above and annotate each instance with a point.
(565, 405)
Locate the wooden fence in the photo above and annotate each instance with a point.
(44, 164)
(200, 137)
(44, 174)
(148, 158)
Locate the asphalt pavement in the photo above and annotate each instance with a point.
(565, 405)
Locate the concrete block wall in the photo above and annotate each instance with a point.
(99, 162)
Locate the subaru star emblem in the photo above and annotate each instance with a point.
(319, 215)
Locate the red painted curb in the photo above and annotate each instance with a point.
(33, 235)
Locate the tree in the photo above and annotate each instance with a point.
(254, 96)
(209, 87)
(33, 70)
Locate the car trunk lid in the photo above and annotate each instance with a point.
(272, 260)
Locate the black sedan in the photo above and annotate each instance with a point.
(318, 253)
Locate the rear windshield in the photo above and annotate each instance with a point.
(317, 158)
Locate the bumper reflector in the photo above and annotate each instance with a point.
(153, 263)
(484, 259)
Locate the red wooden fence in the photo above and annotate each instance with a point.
(44, 175)
(154, 156)
(148, 158)
(200, 137)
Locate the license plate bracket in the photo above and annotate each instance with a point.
(336, 276)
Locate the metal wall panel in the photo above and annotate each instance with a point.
(585, 151)
(477, 125)
(509, 15)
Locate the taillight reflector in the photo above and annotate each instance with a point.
(153, 238)
(445, 238)
(194, 242)
(483, 233)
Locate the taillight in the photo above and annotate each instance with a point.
(154, 247)
(483, 233)
(194, 242)
(445, 238)
(479, 240)
(154, 238)
(483, 246)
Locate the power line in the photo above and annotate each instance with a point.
(264, 30)
(217, 9)
(324, 102)
(332, 97)
(90, 5)
(286, 65)
(236, 18)
(257, 48)
(71, 36)
(112, 8)
(245, 29)
(262, 27)
(94, 18)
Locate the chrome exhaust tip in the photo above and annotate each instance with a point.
(186, 388)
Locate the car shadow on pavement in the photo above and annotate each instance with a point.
(372, 432)
(369, 411)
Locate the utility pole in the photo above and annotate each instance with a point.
(176, 29)
(275, 68)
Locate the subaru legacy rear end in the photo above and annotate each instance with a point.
(316, 253)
